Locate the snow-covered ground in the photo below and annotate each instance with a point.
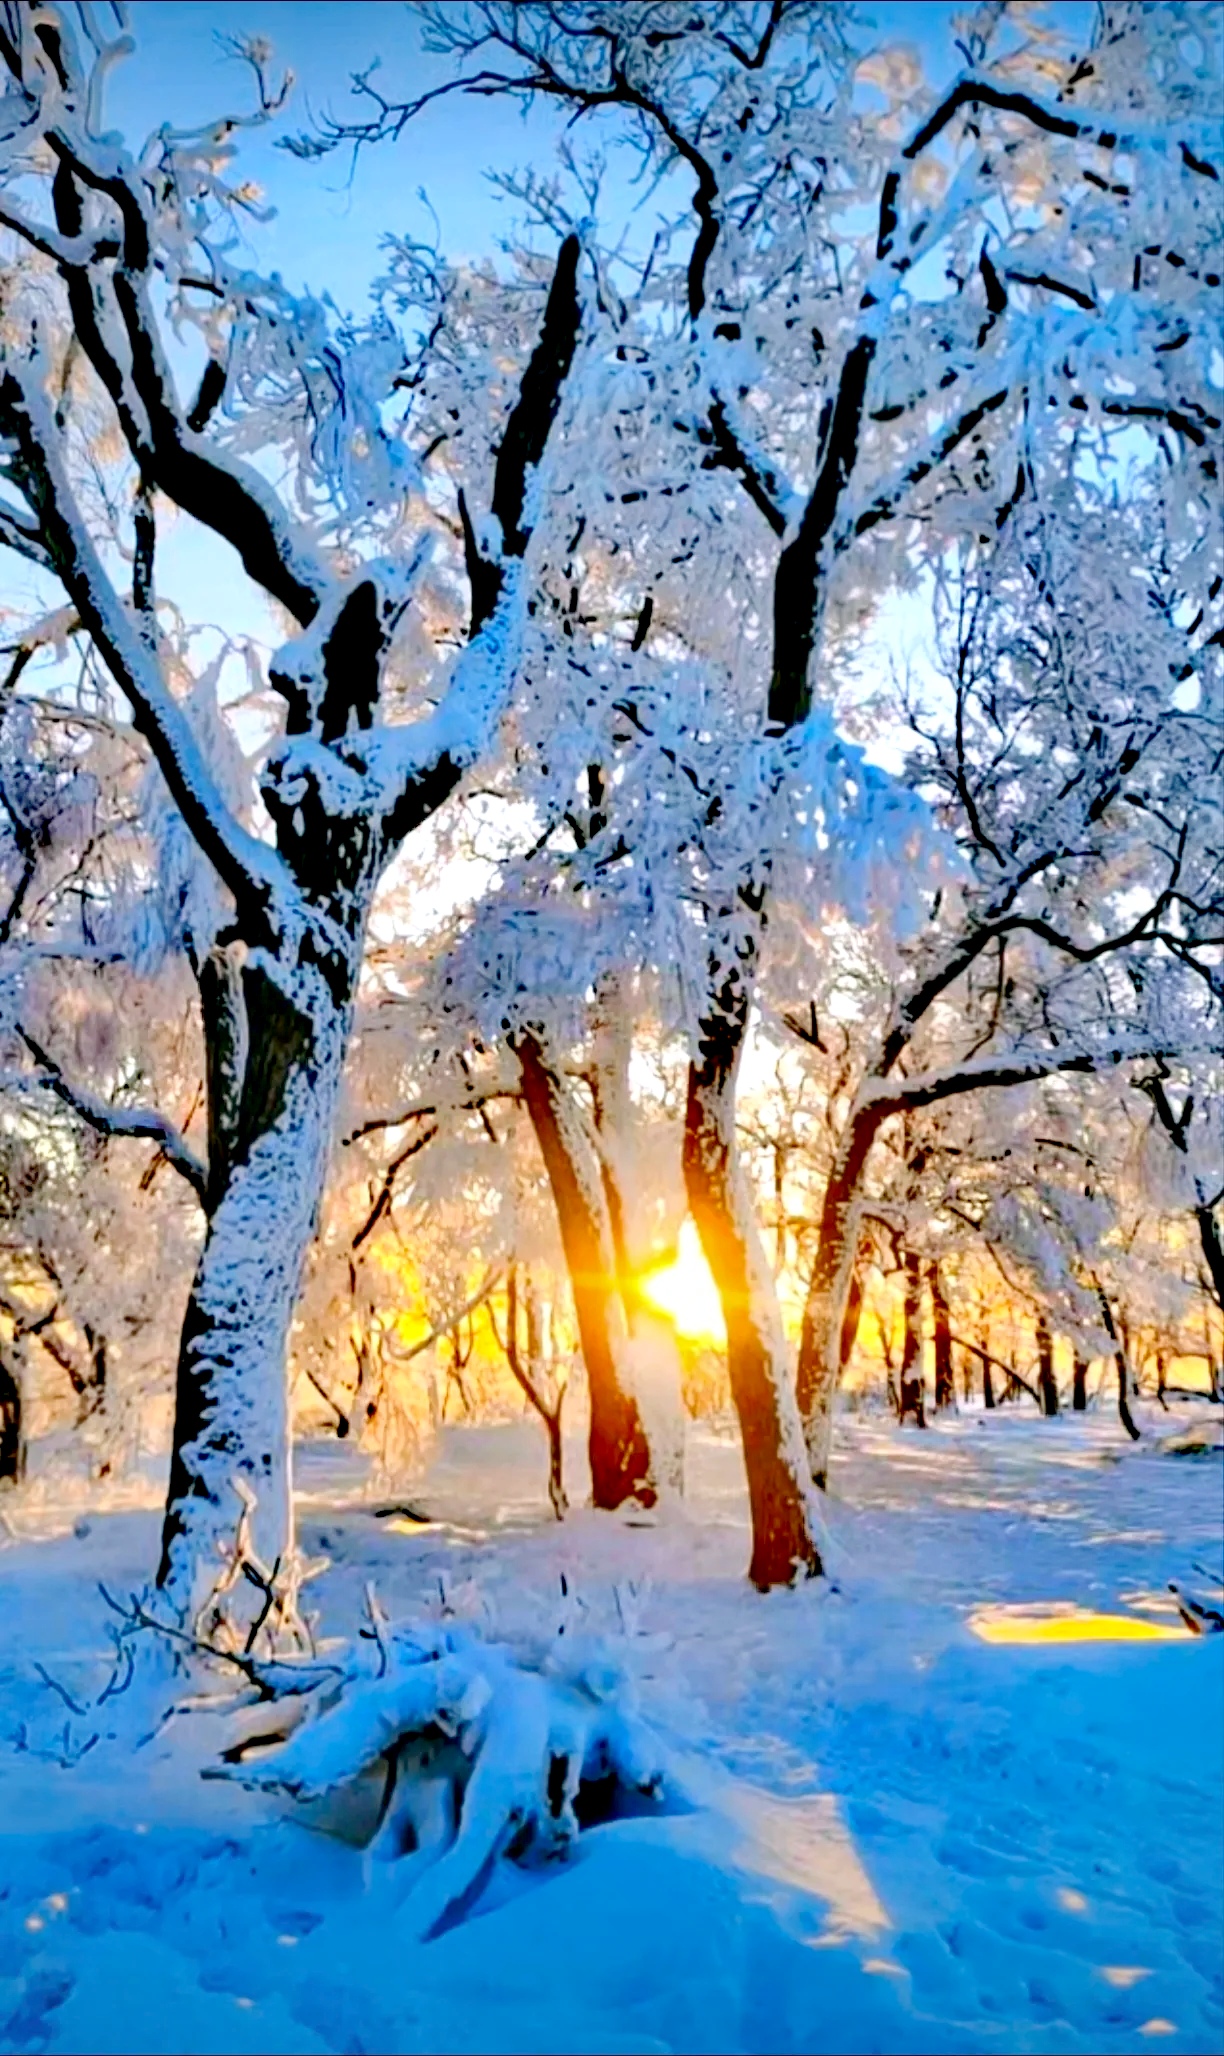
(914, 1832)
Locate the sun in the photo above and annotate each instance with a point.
(685, 1291)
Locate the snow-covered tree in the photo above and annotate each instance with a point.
(129, 245)
(1076, 773)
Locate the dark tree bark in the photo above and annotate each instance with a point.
(528, 1373)
(1079, 1383)
(945, 1383)
(1047, 1384)
(852, 1315)
(1176, 1126)
(783, 1522)
(12, 1429)
(1123, 1368)
(620, 1456)
(912, 1392)
(1213, 1249)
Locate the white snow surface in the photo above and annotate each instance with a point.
(907, 1838)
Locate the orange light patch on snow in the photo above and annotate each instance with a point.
(1028, 1625)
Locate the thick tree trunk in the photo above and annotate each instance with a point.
(945, 1383)
(912, 1398)
(1047, 1383)
(620, 1457)
(231, 1425)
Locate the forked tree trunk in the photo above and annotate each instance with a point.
(945, 1383)
(1047, 1383)
(912, 1397)
(784, 1520)
(620, 1457)
(231, 1422)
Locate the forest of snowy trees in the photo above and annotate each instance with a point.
(583, 559)
(704, 901)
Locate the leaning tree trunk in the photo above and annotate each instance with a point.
(945, 1382)
(619, 1454)
(784, 1518)
(1047, 1383)
(230, 1471)
(912, 1392)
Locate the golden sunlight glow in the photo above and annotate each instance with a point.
(1031, 1624)
(685, 1291)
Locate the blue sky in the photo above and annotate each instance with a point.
(329, 215)
(328, 225)
(327, 230)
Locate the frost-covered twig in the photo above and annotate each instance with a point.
(270, 1677)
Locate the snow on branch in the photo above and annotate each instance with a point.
(143, 1124)
(1109, 131)
(884, 1096)
(253, 873)
(106, 274)
(419, 765)
(525, 435)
